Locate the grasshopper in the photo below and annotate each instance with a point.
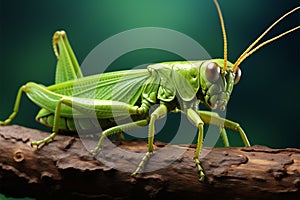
(175, 86)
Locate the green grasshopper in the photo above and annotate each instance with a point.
(174, 86)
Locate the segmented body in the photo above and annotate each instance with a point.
(178, 84)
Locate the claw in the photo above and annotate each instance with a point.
(202, 176)
(36, 143)
(3, 123)
(43, 141)
(133, 174)
(200, 170)
(95, 151)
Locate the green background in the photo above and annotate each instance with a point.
(265, 102)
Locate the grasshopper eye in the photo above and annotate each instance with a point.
(212, 72)
(238, 74)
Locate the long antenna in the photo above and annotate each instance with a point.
(250, 50)
(224, 34)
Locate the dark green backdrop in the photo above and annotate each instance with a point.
(265, 102)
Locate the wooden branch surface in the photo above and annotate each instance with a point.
(64, 169)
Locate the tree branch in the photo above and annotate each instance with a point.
(64, 169)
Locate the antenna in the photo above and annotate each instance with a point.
(250, 50)
(224, 34)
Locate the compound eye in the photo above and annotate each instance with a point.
(238, 74)
(212, 72)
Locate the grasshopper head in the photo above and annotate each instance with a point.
(218, 76)
(216, 83)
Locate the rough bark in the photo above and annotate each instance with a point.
(64, 169)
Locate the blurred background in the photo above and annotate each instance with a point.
(265, 102)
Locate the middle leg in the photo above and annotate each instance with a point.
(215, 119)
(118, 130)
(195, 118)
(159, 112)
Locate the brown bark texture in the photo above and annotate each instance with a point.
(64, 169)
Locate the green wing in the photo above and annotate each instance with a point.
(124, 86)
